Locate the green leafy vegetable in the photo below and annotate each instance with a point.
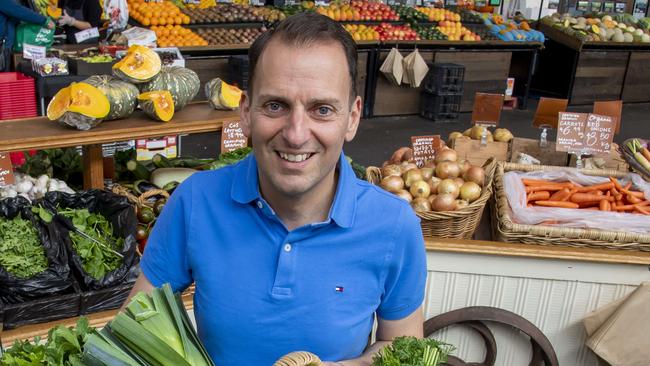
(21, 252)
(228, 158)
(97, 260)
(410, 351)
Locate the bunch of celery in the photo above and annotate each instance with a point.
(153, 330)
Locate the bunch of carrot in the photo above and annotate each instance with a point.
(609, 196)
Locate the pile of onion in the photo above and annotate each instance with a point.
(441, 184)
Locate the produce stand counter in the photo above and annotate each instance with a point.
(512, 253)
(40, 133)
(592, 71)
(487, 66)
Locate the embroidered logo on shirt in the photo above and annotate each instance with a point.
(338, 288)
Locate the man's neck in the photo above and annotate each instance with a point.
(312, 207)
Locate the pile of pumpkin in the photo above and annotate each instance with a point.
(138, 79)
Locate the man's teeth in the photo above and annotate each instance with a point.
(294, 158)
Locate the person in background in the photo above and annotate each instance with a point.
(12, 13)
(79, 15)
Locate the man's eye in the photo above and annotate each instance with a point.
(274, 107)
(324, 111)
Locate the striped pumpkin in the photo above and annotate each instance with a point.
(122, 96)
(181, 82)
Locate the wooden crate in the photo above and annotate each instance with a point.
(599, 76)
(478, 154)
(546, 156)
(637, 80)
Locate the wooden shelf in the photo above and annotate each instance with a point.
(40, 133)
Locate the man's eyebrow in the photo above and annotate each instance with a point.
(318, 101)
(277, 98)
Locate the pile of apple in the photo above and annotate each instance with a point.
(390, 32)
(442, 184)
(359, 11)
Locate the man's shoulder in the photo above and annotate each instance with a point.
(375, 199)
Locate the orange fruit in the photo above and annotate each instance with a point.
(146, 22)
(186, 19)
(156, 14)
(162, 21)
(170, 20)
(154, 21)
(178, 20)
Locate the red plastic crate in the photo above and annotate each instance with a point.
(17, 96)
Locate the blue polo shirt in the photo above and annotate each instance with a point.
(263, 291)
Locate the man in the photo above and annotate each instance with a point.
(288, 250)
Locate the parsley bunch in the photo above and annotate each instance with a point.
(21, 252)
(410, 351)
(97, 260)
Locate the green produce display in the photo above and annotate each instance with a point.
(97, 259)
(21, 252)
(410, 14)
(429, 33)
(63, 348)
(97, 59)
(153, 330)
(410, 351)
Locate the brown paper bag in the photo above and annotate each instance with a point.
(392, 68)
(407, 64)
(417, 69)
(622, 339)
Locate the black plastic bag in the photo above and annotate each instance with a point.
(56, 279)
(42, 310)
(119, 212)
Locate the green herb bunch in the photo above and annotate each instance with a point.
(21, 252)
(410, 351)
(97, 260)
(63, 348)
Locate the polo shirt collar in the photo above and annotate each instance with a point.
(245, 189)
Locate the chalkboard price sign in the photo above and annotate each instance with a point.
(571, 132)
(584, 133)
(232, 137)
(599, 134)
(6, 170)
(424, 148)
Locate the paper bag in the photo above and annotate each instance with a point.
(418, 70)
(407, 62)
(622, 339)
(392, 67)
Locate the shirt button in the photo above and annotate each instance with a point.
(259, 204)
(287, 247)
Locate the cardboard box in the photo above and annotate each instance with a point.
(478, 154)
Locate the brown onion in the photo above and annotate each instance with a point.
(420, 189)
(447, 169)
(427, 173)
(446, 155)
(464, 165)
(406, 166)
(405, 195)
(392, 184)
(470, 191)
(444, 202)
(475, 174)
(433, 184)
(431, 163)
(431, 198)
(411, 176)
(448, 186)
(421, 205)
(459, 181)
(391, 169)
(460, 204)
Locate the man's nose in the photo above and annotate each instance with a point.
(296, 132)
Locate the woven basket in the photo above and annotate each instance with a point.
(143, 199)
(503, 229)
(299, 359)
(459, 224)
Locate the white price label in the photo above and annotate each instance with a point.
(87, 34)
(32, 52)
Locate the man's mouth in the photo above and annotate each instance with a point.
(294, 158)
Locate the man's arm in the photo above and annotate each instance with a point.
(412, 325)
(141, 284)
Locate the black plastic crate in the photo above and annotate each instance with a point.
(238, 71)
(440, 108)
(444, 78)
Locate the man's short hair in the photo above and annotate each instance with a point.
(304, 30)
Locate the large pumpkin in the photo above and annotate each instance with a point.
(157, 104)
(139, 65)
(181, 82)
(79, 105)
(222, 95)
(122, 96)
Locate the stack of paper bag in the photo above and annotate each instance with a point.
(392, 67)
(415, 69)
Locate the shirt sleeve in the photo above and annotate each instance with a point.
(406, 272)
(14, 10)
(165, 255)
(92, 13)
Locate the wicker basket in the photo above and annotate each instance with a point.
(459, 224)
(143, 199)
(507, 231)
(299, 359)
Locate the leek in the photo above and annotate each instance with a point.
(154, 330)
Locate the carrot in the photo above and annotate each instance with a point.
(597, 187)
(608, 194)
(562, 195)
(605, 206)
(632, 199)
(613, 206)
(538, 195)
(643, 203)
(586, 197)
(617, 184)
(588, 204)
(641, 210)
(592, 208)
(645, 153)
(617, 195)
(561, 204)
(624, 207)
(627, 187)
(537, 182)
(637, 194)
(619, 203)
(547, 187)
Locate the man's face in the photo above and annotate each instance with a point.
(298, 117)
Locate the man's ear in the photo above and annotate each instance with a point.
(353, 120)
(244, 113)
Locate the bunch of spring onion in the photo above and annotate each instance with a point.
(641, 153)
(153, 330)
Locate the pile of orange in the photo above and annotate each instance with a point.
(176, 36)
(156, 13)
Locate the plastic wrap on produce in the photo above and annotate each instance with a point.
(119, 212)
(56, 279)
(612, 221)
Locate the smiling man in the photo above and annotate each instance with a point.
(289, 250)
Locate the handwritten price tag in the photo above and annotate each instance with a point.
(424, 148)
(599, 134)
(6, 170)
(571, 132)
(232, 137)
(585, 133)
